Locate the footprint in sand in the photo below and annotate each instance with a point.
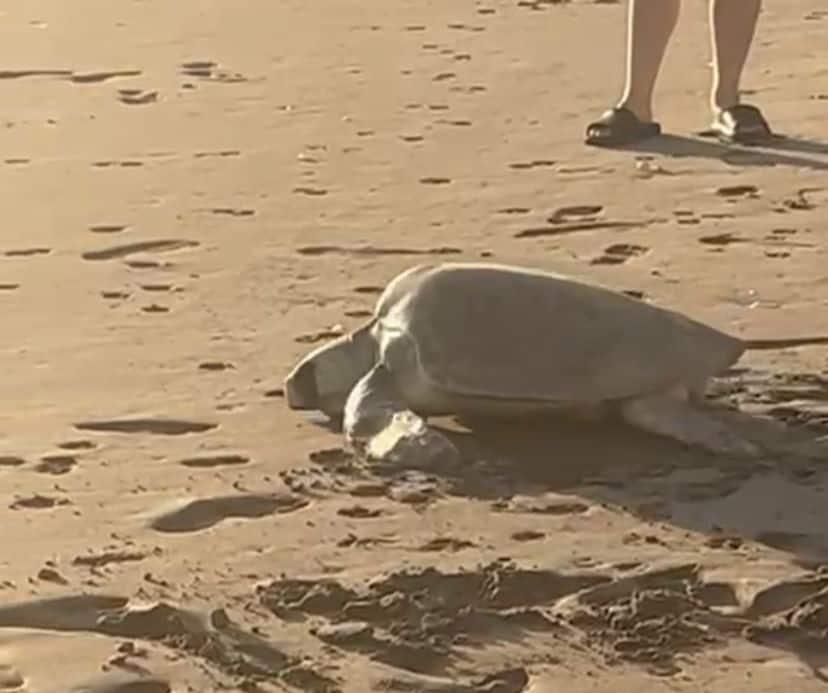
(307, 158)
(95, 77)
(686, 217)
(460, 123)
(147, 264)
(11, 461)
(137, 97)
(198, 68)
(537, 5)
(360, 512)
(164, 427)
(56, 464)
(736, 191)
(209, 461)
(155, 308)
(233, 211)
(369, 489)
(115, 295)
(331, 457)
(119, 251)
(370, 250)
(473, 89)
(466, 27)
(536, 163)
(619, 253)
(321, 335)
(358, 313)
(49, 574)
(558, 229)
(129, 163)
(441, 544)
(574, 212)
(216, 366)
(195, 515)
(435, 180)
(19, 74)
(99, 560)
(108, 228)
(27, 252)
(721, 239)
(312, 192)
(220, 153)
(371, 290)
(352, 540)
(208, 70)
(514, 210)
(528, 535)
(37, 502)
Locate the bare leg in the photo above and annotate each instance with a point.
(670, 416)
(380, 425)
(650, 25)
(732, 27)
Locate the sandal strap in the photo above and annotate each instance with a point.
(743, 117)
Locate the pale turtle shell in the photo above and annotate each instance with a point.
(487, 330)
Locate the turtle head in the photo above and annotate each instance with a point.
(324, 378)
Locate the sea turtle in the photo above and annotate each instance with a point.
(480, 339)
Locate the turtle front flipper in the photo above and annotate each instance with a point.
(379, 425)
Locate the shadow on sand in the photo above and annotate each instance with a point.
(778, 501)
(781, 151)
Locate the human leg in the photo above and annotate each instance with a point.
(650, 24)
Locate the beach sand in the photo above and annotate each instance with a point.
(196, 193)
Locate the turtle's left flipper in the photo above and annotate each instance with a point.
(379, 425)
(676, 418)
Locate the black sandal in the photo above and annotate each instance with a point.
(742, 124)
(618, 127)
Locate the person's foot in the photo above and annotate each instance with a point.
(619, 126)
(741, 124)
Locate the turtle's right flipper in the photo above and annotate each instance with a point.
(379, 425)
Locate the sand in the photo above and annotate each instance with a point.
(195, 194)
